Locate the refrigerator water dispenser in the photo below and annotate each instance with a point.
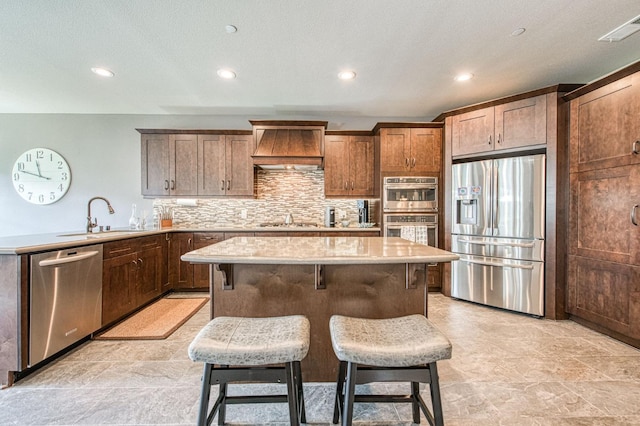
(467, 212)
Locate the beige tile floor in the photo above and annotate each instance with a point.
(507, 369)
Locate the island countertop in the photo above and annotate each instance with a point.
(318, 250)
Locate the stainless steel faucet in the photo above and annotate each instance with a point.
(90, 223)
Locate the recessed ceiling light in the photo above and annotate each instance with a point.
(226, 73)
(230, 29)
(463, 77)
(517, 32)
(347, 75)
(103, 72)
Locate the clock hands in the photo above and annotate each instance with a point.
(38, 166)
(35, 174)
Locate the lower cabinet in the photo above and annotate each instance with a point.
(132, 275)
(183, 275)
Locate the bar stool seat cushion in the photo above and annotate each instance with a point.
(252, 341)
(395, 342)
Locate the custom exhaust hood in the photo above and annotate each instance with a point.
(282, 145)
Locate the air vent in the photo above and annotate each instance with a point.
(623, 31)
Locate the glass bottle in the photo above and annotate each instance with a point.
(133, 220)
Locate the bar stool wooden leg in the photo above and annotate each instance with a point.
(349, 394)
(292, 396)
(339, 400)
(297, 371)
(435, 395)
(204, 395)
(415, 405)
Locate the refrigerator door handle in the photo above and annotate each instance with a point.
(491, 243)
(496, 197)
(498, 264)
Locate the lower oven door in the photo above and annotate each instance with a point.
(509, 284)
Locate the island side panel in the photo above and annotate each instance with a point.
(370, 291)
(9, 319)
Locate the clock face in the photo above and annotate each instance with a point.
(41, 176)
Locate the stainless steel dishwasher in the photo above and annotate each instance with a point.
(66, 299)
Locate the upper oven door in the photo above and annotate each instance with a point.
(404, 195)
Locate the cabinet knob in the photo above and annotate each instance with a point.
(173, 184)
(498, 140)
(634, 147)
(406, 162)
(489, 139)
(346, 185)
(633, 215)
(229, 184)
(352, 185)
(413, 162)
(141, 261)
(166, 184)
(222, 187)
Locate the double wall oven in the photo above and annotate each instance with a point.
(410, 208)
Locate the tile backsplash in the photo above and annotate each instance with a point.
(276, 194)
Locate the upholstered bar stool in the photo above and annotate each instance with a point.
(403, 349)
(237, 349)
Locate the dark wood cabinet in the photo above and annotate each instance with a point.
(224, 165)
(132, 275)
(184, 275)
(411, 150)
(603, 283)
(201, 272)
(349, 166)
(510, 125)
(605, 126)
(169, 164)
(201, 163)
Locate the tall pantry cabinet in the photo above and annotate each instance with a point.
(603, 282)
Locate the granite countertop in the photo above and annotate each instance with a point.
(22, 244)
(318, 250)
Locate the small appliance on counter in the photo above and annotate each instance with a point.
(330, 217)
(363, 211)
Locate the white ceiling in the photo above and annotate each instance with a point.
(287, 54)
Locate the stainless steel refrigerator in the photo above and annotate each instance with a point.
(498, 231)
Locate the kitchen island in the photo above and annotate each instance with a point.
(371, 277)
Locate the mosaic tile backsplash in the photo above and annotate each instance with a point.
(277, 193)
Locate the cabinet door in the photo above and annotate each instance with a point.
(336, 165)
(211, 163)
(361, 165)
(201, 272)
(600, 213)
(155, 164)
(118, 287)
(472, 132)
(180, 272)
(395, 149)
(149, 276)
(605, 126)
(239, 165)
(183, 164)
(426, 150)
(521, 123)
(605, 293)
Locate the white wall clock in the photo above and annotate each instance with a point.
(41, 176)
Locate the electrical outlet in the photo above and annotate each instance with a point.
(243, 213)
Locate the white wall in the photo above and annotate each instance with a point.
(103, 152)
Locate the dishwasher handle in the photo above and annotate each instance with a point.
(54, 261)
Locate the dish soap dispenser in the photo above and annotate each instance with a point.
(133, 220)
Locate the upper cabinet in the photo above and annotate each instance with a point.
(411, 150)
(516, 124)
(169, 164)
(349, 166)
(224, 165)
(605, 126)
(205, 164)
